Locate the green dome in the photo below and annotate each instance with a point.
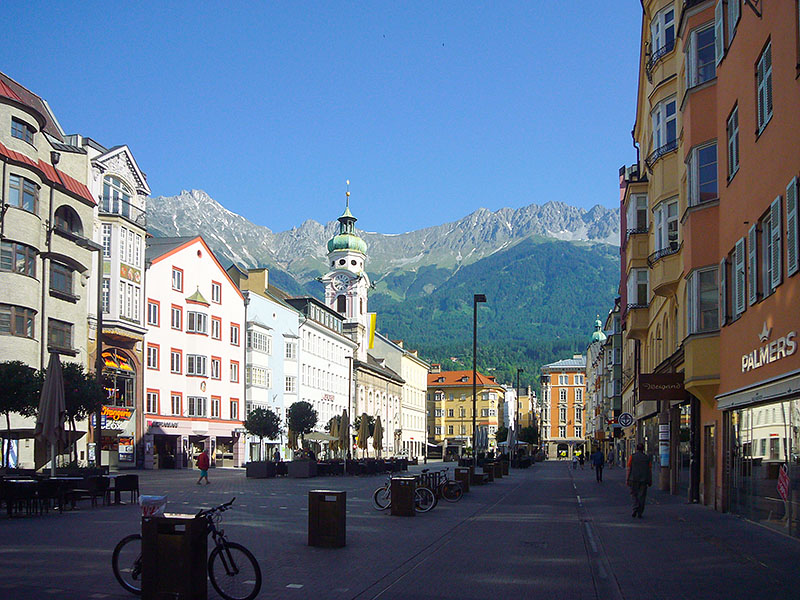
(598, 335)
(347, 241)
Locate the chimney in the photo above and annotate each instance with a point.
(436, 368)
(259, 280)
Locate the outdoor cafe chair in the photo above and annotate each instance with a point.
(126, 483)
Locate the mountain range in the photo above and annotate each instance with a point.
(547, 271)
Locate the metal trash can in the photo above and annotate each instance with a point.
(462, 474)
(403, 503)
(498, 470)
(505, 466)
(488, 468)
(327, 518)
(174, 557)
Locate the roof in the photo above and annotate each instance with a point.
(19, 93)
(456, 378)
(375, 366)
(567, 363)
(158, 247)
(55, 176)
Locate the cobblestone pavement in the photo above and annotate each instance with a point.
(544, 532)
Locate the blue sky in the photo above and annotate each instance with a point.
(431, 109)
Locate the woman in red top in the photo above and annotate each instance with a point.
(202, 464)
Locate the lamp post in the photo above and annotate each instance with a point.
(475, 299)
(516, 415)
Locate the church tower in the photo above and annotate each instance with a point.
(347, 283)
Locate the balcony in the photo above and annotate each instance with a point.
(655, 155)
(656, 56)
(119, 207)
(637, 320)
(666, 269)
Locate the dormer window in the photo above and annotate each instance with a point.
(464, 379)
(21, 130)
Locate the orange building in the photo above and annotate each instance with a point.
(563, 407)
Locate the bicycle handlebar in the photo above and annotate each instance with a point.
(204, 512)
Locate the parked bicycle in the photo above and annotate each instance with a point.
(424, 498)
(232, 568)
(449, 489)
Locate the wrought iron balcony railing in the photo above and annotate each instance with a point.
(670, 146)
(673, 248)
(117, 206)
(656, 56)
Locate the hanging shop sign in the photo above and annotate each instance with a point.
(661, 386)
(769, 352)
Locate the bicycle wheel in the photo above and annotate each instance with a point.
(127, 563)
(382, 498)
(452, 491)
(234, 572)
(424, 499)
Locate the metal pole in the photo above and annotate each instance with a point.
(516, 414)
(475, 299)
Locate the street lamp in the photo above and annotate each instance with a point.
(516, 415)
(475, 299)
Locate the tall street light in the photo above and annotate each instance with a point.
(516, 416)
(475, 299)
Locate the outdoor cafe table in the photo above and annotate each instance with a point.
(20, 484)
(67, 484)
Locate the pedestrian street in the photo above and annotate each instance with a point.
(544, 532)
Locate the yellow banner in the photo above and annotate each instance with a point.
(373, 317)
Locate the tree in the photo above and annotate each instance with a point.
(302, 417)
(501, 435)
(83, 395)
(529, 435)
(19, 393)
(263, 423)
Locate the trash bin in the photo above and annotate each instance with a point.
(463, 475)
(505, 466)
(498, 470)
(403, 489)
(327, 518)
(488, 468)
(174, 556)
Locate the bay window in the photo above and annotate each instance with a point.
(702, 307)
(701, 174)
(700, 58)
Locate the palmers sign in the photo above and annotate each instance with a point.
(771, 352)
(661, 386)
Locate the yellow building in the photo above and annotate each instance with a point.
(450, 409)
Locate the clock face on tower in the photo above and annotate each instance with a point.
(341, 282)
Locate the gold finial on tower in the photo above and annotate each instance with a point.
(347, 194)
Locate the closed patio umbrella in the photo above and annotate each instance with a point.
(344, 434)
(377, 438)
(363, 433)
(334, 445)
(52, 411)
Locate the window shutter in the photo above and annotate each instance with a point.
(719, 33)
(752, 266)
(791, 228)
(691, 303)
(768, 82)
(723, 292)
(738, 278)
(734, 7)
(775, 236)
(690, 61)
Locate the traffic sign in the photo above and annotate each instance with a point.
(625, 419)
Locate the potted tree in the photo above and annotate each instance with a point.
(301, 420)
(262, 423)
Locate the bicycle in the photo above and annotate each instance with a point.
(424, 498)
(449, 489)
(231, 566)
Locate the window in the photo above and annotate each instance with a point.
(216, 292)
(733, 142)
(701, 174)
(562, 414)
(702, 307)
(216, 328)
(290, 384)
(637, 213)
(450, 412)
(216, 367)
(665, 127)
(666, 215)
(764, 87)
(438, 412)
(175, 361)
(196, 364)
(21, 130)
(463, 430)
(106, 294)
(562, 431)
(700, 63)
(153, 310)
(117, 198)
(23, 193)
(152, 356)
(152, 402)
(60, 278)
(662, 33)
(18, 258)
(215, 402)
(437, 430)
(259, 377)
(196, 322)
(578, 431)
(579, 395)
(59, 334)
(484, 412)
(175, 401)
(17, 321)
(578, 414)
(106, 236)
(234, 335)
(197, 406)
(234, 371)
(449, 430)
(131, 249)
(723, 292)
(66, 220)
(177, 278)
(177, 317)
(734, 11)
(638, 290)
(563, 379)
(291, 350)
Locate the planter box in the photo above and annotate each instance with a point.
(302, 468)
(260, 469)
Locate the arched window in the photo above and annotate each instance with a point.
(341, 304)
(68, 221)
(116, 196)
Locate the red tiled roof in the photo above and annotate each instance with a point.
(455, 378)
(8, 92)
(53, 175)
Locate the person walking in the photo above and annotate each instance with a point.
(639, 478)
(581, 460)
(598, 460)
(574, 462)
(277, 456)
(203, 462)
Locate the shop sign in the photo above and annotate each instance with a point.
(328, 397)
(162, 424)
(769, 352)
(663, 432)
(661, 386)
(125, 448)
(113, 417)
(130, 273)
(783, 483)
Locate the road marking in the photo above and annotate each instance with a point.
(295, 586)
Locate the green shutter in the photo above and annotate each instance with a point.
(752, 266)
(723, 292)
(775, 240)
(719, 33)
(738, 277)
(791, 228)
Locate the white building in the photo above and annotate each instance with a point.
(194, 380)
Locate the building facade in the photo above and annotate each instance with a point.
(195, 357)
(563, 418)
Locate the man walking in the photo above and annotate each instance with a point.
(203, 462)
(639, 478)
(598, 460)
